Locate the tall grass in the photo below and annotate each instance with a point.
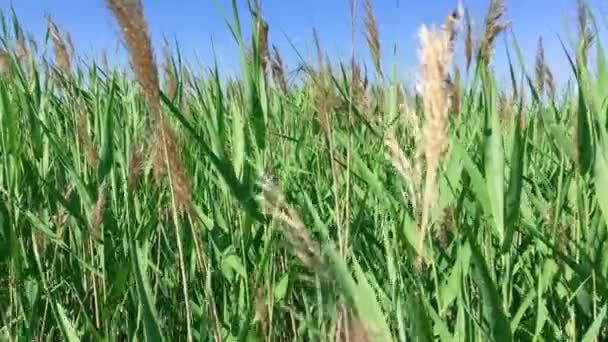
(342, 206)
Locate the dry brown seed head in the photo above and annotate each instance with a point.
(317, 40)
(262, 308)
(494, 26)
(468, 42)
(84, 136)
(5, 62)
(170, 77)
(585, 32)
(550, 82)
(104, 62)
(62, 56)
(263, 43)
(20, 47)
(278, 70)
(98, 211)
(130, 17)
(135, 166)
(373, 36)
(451, 24)
(306, 248)
(70, 44)
(540, 67)
(164, 135)
(186, 76)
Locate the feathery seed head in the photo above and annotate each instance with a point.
(84, 136)
(468, 41)
(170, 77)
(540, 67)
(435, 56)
(278, 70)
(135, 166)
(263, 43)
(96, 218)
(20, 48)
(494, 26)
(130, 17)
(584, 27)
(373, 36)
(550, 82)
(5, 62)
(60, 50)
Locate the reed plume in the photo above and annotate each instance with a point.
(306, 248)
(493, 27)
(551, 88)
(5, 62)
(21, 51)
(186, 76)
(104, 62)
(166, 159)
(435, 56)
(373, 36)
(468, 40)
(69, 44)
(278, 70)
(165, 154)
(60, 50)
(262, 34)
(130, 17)
(584, 27)
(540, 67)
(82, 124)
(263, 43)
(453, 87)
(135, 166)
(170, 77)
(97, 212)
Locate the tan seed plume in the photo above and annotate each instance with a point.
(306, 248)
(164, 154)
(373, 36)
(278, 70)
(84, 136)
(585, 32)
(186, 76)
(551, 88)
(98, 211)
(130, 17)
(468, 40)
(170, 77)
(263, 43)
(5, 62)
(135, 166)
(494, 26)
(21, 50)
(70, 44)
(540, 67)
(435, 57)
(104, 62)
(60, 50)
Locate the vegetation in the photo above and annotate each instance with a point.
(343, 206)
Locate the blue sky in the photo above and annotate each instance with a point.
(196, 24)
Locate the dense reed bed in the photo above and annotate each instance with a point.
(168, 203)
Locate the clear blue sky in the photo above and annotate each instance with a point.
(196, 23)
